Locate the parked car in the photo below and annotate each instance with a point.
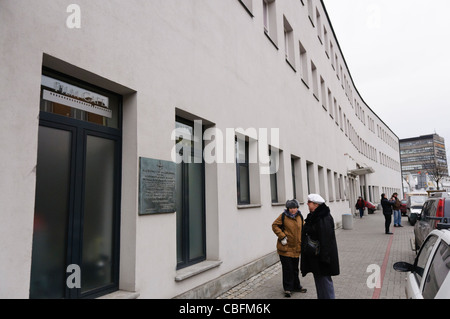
(436, 209)
(370, 207)
(414, 206)
(428, 277)
(403, 207)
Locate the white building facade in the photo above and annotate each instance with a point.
(99, 96)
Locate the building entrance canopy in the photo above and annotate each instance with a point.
(361, 171)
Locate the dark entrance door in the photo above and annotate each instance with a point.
(77, 206)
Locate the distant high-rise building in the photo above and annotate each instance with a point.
(422, 156)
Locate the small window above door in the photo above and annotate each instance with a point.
(74, 99)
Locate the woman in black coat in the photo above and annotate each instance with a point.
(387, 212)
(319, 226)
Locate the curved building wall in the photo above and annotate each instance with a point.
(268, 73)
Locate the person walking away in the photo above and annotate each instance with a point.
(323, 263)
(397, 212)
(361, 204)
(288, 228)
(387, 212)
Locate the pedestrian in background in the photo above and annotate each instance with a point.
(288, 228)
(324, 262)
(397, 212)
(361, 204)
(387, 212)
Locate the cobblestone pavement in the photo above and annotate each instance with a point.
(364, 252)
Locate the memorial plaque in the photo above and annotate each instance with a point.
(156, 186)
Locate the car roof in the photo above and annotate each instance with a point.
(444, 234)
(439, 195)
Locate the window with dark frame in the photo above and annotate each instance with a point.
(242, 171)
(190, 198)
(273, 179)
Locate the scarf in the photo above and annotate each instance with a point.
(288, 214)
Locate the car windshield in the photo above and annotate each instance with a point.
(418, 200)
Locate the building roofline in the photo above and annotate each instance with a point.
(348, 69)
(421, 137)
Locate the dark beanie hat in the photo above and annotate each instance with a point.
(291, 204)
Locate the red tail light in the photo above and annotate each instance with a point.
(440, 210)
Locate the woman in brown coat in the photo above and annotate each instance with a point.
(288, 228)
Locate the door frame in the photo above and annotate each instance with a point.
(74, 228)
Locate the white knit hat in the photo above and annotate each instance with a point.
(315, 198)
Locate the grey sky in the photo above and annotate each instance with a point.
(398, 53)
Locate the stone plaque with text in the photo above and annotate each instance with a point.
(156, 186)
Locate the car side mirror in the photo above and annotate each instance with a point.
(402, 266)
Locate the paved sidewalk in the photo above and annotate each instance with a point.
(365, 245)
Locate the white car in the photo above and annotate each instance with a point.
(429, 277)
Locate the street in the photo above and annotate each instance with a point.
(366, 254)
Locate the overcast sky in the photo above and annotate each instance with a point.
(398, 53)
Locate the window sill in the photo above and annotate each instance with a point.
(246, 9)
(278, 204)
(248, 206)
(196, 269)
(290, 64)
(306, 84)
(270, 39)
(121, 294)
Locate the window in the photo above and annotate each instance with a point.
(422, 259)
(247, 170)
(438, 272)
(335, 111)
(297, 178)
(336, 185)
(190, 198)
(341, 187)
(315, 80)
(310, 177)
(323, 92)
(330, 103)
(277, 188)
(337, 65)
(304, 64)
(289, 43)
(321, 174)
(243, 172)
(330, 186)
(311, 11)
(270, 22)
(319, 25)
(332, 55)
(248, 5)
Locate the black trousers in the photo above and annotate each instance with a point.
(387, 223)
(291, 279)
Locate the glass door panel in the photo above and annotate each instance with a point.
(98, 219)
(196, 214)
(48, 271)
(179, 213)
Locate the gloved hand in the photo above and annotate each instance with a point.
(284, 241)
